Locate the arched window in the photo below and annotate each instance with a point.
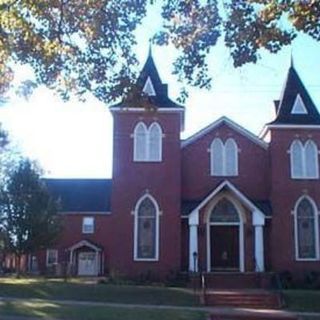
(224, 158)
(217, 150)
(231, 158)
(224, 211)
(306, 230)
(146, 229)
(147, 142)
(311, 159)
(304, 160)
(140, 142)
(155, 142)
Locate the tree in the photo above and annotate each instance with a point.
(28, 214)
(77, 46)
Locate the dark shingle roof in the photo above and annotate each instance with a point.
(81, 195)
(161, 99)
(293, 87)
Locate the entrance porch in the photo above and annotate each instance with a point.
(86, 259)
(226, 233)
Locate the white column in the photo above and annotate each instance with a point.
(258, 251)
(193, 247)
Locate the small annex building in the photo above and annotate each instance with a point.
(222, 200)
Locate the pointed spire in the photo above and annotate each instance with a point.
(296, 105)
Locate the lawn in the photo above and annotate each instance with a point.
(302, 300)
(45, 310)
(79, 290)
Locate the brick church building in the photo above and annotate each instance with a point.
(222, 200)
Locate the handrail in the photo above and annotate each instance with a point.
(203, 289)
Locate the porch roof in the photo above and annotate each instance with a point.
(187, 206)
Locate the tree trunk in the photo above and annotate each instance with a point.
(19, 266)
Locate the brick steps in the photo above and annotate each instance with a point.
(237, 280)
(243, 315)
(243, 299)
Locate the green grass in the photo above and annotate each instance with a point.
(79, 290)
(302, 300)
(45, 310)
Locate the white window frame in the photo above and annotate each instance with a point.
(55, 251)
(135, 247)
(224, 159)
(299, 106)
(147, 157)
(316, 229)
(303, 159)
(135, 142)
(84, 231)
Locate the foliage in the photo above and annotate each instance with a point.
(77, 46)
(28, 214)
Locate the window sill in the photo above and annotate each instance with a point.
(304, 178)
(307, 260)
(145, 260)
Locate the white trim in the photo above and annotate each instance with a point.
(83, 225)
(193, 247)
(303, 160)
(135, 235)
(224, 159)
(259, 248)
(298, 106)
(47, 257)
(316, 229)
(84, 243)
(229, 123)
(138, 109)
(240, 224)
(233, 189)
(147, 130)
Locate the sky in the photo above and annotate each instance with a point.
(74, 139)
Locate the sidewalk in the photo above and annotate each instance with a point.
(230, 312)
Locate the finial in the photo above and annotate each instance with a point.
(291, 59)
(150, 47)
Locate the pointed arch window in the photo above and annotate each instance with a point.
(140, 142)
(146, 230)
(224, 157)
(306, 230)
(155, 142)
(304, 160)
(224, 212)
(147, 142)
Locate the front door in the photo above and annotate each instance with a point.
(224, 247)
(87, 264)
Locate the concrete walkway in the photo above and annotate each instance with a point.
(230, 312)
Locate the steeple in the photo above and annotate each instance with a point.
(149, 86)
(295, 105)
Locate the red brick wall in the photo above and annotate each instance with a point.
(252, 180)
(284, 194)
(131, 180)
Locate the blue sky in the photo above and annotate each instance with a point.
(74, 139)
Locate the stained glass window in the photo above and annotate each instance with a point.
(224, 211)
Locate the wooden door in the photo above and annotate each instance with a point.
(224, 247)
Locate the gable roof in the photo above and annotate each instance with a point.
(232, 125)
(227, 185)
(294, 88)
(150, 75)
(81, 195)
